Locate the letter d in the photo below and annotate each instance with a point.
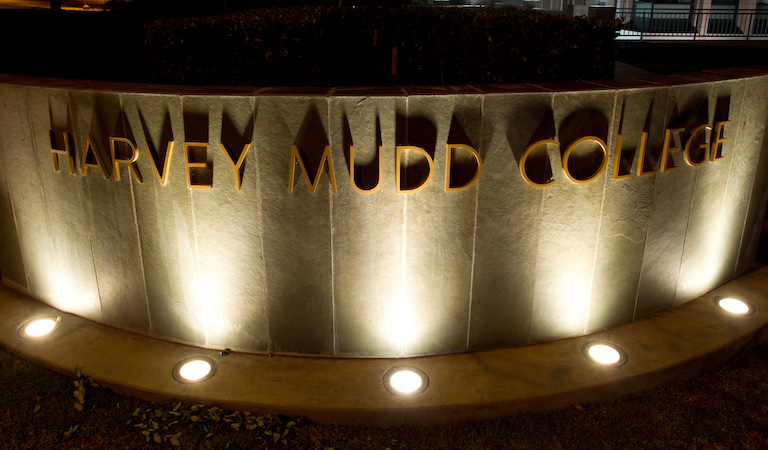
(421, 186)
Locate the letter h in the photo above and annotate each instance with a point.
(56, 152)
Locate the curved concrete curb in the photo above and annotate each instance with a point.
(676, 343)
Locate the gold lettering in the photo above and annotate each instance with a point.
(56, 152)
(524, 158)
(641, 157)
(573, 145)
(352, 172)
(398, 188)
(90, 147)
(718, 141)
(163, 177)
(448, 150)
(665, 151)
(236, 165)
(194, 165)
(296, 158)
(130, 161)
(705, 147)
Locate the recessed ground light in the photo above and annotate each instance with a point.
(605, 354)
(194, 370)
(39, 327)
(405, 381)
(735, 306)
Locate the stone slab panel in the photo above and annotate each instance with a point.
(20, 166)
(165, 221)
(707, 211)
(369, 276)
(111, 214)
(11, 262)
(626, 209)
(78, 293)
(227, 225)
(743, 151)
(687, 105)
(507, 232)
(570, 222)
(15, 133)
(756, 116)
(296, 225)
(439, 227)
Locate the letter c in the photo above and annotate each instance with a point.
(524, 158)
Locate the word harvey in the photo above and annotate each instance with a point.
(123, 152)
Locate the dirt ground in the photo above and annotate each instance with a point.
(722, 408)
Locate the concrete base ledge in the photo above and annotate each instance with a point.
(676, 343)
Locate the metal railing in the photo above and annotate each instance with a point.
(649, 20)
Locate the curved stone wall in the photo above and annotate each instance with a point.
(199, 214)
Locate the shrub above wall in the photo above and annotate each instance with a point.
(331, 46)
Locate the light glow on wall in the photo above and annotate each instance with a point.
(70, 274)
(400, 326)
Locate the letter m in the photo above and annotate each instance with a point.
(297, 157)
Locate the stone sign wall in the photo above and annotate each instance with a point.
(379, 222)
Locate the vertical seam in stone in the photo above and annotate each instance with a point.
(749, 200)
(607, 180)
(42, 191)
(88, 222)
(403, 271)
(255, 154)
(594, 261)
(713, 247)
(198, 272)
(687, 223)
(3, 155)
(650, 214)
(718, 234)
(150, 328)
(13, 216)
(404, 260)
(536, 263)
(687, 231)
(88, 219)
(80, 184)
(474, 230)
(330, 223)
(538, 236)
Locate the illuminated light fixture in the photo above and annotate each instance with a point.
(405, 381)
(39, 327)
(194, 370)
(605, 354)
(735, 306)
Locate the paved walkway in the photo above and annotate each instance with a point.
(624, 70)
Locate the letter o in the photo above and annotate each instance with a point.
(573, 145)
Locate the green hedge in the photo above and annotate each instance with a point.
(332, 46)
